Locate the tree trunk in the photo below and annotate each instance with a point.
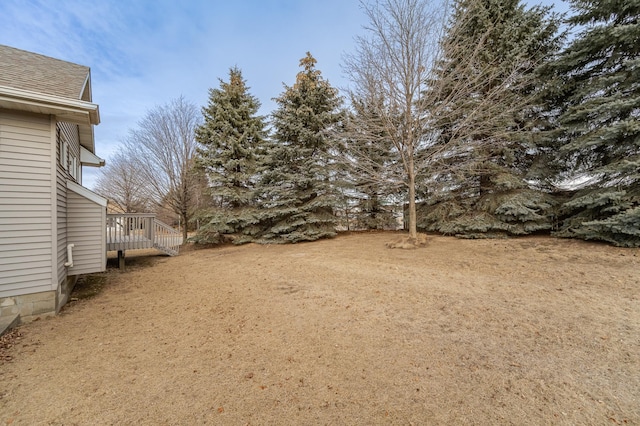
(485, 183)
(184, 226)
(413, 231)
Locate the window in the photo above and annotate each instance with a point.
(64, 155)
(63, 151)
(74, 168)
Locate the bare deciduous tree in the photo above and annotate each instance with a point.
(395, 72)
(119, 183)
(388, 71)
(163, 146)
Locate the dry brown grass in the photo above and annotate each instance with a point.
(344, 331)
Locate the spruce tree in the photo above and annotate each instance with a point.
(296, 191)
(391, 62)
(231, 139)
(600, 73)
(373, 172)
(488, 174)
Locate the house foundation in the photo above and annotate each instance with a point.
(28, 307)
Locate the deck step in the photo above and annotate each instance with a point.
(166, 250)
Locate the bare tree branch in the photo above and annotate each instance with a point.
(395, 72)
(390, 66)
(163, 147)
(118, 182)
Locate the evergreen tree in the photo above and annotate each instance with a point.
(231, 139)
(297, 195)
(488, 173)
(372, 170)
(390, 65)
(600, 73)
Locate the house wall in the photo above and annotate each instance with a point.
(26, 205)
(85, 233)
(61, 207)
(34, 216)
(67, 148)
(82, 220)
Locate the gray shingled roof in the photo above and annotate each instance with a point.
(24, 70)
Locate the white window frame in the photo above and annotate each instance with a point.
(74, 168)
(64, 154)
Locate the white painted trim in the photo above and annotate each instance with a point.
(87, 158)
(64, 153)
(86, 86)
(84, 114)
(86, 193)
(54, 204)
(73, 167)
(57, 104)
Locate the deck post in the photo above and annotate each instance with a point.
(121, 259)
(151, 228)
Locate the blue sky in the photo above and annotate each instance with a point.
(144, 53)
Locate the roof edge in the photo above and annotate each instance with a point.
(88, 158)
(53, 104)
(86, 88)
(86, 193)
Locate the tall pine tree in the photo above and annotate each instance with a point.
(297, 195)
(373, 171)
(390, 65)
(484, 178)
(600, 72)
(231, 139)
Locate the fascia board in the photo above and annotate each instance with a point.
(87, 158)
(56, 105)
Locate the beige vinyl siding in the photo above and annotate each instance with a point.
(68, 133)
(25, 204)
(86, 229)
(61, 208)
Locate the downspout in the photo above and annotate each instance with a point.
(69, 262)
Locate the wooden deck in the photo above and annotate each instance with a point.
(136, 231)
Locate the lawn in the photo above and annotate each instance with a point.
(344, 331)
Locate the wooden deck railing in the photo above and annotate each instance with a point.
(166, 238)
(134, 231)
